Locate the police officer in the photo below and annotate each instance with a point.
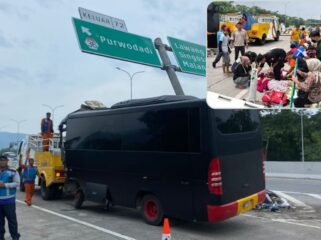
(9, 181)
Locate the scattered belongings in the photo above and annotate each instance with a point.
(273, 202)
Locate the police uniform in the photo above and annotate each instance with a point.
(11, 181)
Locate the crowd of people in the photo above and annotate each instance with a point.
(285, 76)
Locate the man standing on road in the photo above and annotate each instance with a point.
(46, 131)
(295, 36)
(220, 53)
(240, 40)
(315, 36)
(9, 181)
(29, 175)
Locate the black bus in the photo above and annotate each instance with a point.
(167, 156)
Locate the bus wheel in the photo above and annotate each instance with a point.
(47, 193)
(152, 210)
(79, 199)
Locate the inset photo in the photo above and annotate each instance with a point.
(264, 54)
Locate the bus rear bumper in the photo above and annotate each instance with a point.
(223, 212)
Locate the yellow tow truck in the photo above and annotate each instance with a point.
(49, 164)
(266, 28)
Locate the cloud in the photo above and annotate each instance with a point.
(4, 42)
(13, 73)
(9, 9)
(48, 3)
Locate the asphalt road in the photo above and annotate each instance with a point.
(59, 220)
(221, 83)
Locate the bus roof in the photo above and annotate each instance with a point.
(145, 102)
(152, 101)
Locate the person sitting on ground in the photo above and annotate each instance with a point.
(311, 84)
(291, 59)
(293, 47)
(251, 55)
(224, 48)
(242, 72)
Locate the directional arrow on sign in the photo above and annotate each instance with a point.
(85, 30)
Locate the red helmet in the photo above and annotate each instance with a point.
(227, 29)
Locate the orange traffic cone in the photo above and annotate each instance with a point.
(166, 231)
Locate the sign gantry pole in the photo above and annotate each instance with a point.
(168, 66)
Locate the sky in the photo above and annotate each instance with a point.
(296, 8)
(41, 62)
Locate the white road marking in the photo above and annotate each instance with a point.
(287, 221)
(318, 196)
(81, 222)
(315, 196)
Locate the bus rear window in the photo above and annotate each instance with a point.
(236, 121)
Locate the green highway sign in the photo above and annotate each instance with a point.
(112, 43)
(191, 57)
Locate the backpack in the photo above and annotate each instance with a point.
(314, 95)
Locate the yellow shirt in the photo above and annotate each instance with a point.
(295, 35)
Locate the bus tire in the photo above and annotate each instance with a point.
(151, 210)
(47, 193)
(79, 199)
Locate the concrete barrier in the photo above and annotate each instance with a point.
(308, 170)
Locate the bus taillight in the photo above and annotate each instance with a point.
(215, 177)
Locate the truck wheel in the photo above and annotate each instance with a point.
(58, 192)
(79, 199)
(277, 36)
(47, 193)
(262, 41)
(152, 210)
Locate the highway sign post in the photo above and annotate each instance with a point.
(168, 66)
(191, 57)
(112, 43)
(102, 19)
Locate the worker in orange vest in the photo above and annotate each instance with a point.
(46, 131)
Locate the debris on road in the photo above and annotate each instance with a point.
(273, 202)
